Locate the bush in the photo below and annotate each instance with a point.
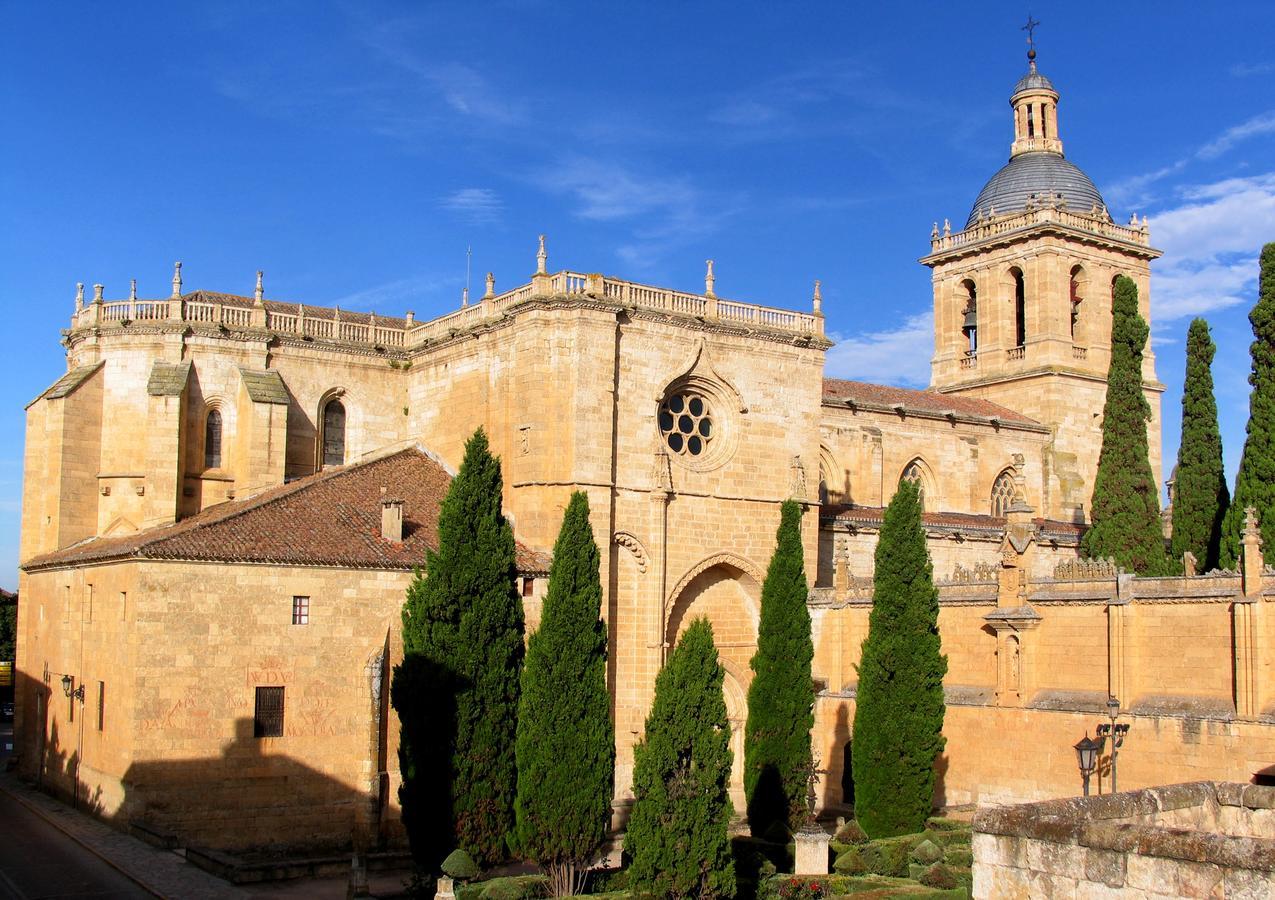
(603, 881)
(515, 887)
(460, 865)
(777, 833)
(938, 876)
(851, 833)
(851, 862)
(942, 823)
(794, 887)
(927, 852)
(959, 857)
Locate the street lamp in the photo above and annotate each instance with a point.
(1114, 731)
(73, 695)
(1087, 757)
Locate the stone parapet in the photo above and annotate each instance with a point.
(1195, 839)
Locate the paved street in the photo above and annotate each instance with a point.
(38, 860)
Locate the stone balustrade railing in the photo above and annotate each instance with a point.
(328, 325)
(998, 225)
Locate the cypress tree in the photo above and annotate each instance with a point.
(780, 699)
(677, 837)
(899, 709)
(456, 691)
(1255, 482)
(1200, 495)
(566, 742)
(1125, 510)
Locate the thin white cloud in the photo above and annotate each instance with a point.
(1133, 190)
(479, 206)
(608, 192)
(392, 297)
(1247, 70)
(896, 356)
(1211, 241)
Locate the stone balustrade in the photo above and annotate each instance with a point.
(327, 324)
(996, 226)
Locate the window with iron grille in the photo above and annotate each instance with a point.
(300, 610)
(267, 719)
(334, 433)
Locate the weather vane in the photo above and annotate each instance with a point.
(1030, 28)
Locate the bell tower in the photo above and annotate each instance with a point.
(1022, 298)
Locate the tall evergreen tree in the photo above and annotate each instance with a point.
(566, 742)
(899, 709)
(1200, 495)
(781, 697)
(456, 691)
(1125, 510)
(1255, 482)
(677, 837)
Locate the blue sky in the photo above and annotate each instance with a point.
(354, 151)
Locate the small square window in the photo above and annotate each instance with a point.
(528, 586)
(300, 610)
(267, 720)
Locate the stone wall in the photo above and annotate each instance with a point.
(1200, 839)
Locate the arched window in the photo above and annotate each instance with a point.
(1002, 493)
(969, 324)
(1020, 307)
(212, 440)
(914, 473)
(1077, 293)
(333, 437)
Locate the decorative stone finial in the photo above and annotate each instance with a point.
(336, 314)
(464, 296)
(491, 286)
(177, 280)
(541, 257)
(260, 293)
(97, 293)
(79, 296)
(818, 298)
(1030, 28)
(709, 279)
(1251, 531)
(947, 228)
(934, 232)
(410, 318)
(132, 289)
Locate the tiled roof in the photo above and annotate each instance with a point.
(884, 397)
(167, 379)
(264, 387)
(329, 519)
(872, 516)
(66, 385)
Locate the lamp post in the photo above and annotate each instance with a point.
(1114, 731)
(73, 695)
(1087, 758)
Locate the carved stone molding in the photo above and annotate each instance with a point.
(633, 545)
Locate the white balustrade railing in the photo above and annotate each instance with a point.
(330, 326)
(1003, 224)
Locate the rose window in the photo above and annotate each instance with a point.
(686, 424)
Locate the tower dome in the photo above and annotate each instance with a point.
(1037, 171)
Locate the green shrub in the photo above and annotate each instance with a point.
(459, 865)
(889, 856)
(602, 881)
(851, 833)
(851, 862)
(959, 857)
(952, 838)
(777, 833)
(942, 823)
(927, 852)
(515, 887)
(938, 876)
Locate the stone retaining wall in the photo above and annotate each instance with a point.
(1200, 839)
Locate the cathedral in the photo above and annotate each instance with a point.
(225, 497)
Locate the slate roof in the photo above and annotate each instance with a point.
(1039, 173)
(68, 383)
(872, 517)
(264, 387)
(329, 519)
(167, 379)
(1033, 80)
(885, 398)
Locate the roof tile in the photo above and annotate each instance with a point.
(932, 402)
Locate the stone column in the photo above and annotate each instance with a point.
(1244, 614)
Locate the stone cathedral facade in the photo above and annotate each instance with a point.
(225, 497)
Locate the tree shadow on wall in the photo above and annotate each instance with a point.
(60, 776)
(838, 784)
(257, 802)
(423, 694)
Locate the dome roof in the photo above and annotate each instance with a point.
(1033, 80)
(1041, 174)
